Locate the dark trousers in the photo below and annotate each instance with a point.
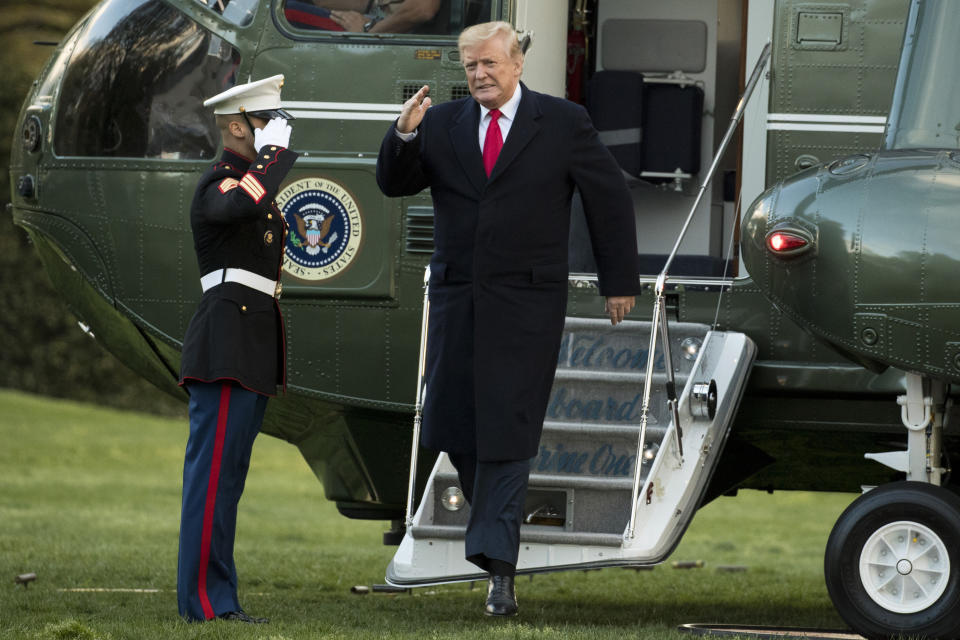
(496, 492)
(224, 421)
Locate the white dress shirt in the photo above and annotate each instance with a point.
(507, 114)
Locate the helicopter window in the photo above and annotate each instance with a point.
(239, 12)
(136, 82)
(423, 17)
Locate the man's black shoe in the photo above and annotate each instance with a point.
(240, 616)
(501, 597)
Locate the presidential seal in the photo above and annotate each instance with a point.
(325, 228)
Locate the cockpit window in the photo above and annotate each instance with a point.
(136, 82)
(53, 73)
(420, 17)
(239, 12)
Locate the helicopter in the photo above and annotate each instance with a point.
(809, 321)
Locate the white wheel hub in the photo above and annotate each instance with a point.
(904, 567)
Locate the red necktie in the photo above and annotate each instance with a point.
(492, 143)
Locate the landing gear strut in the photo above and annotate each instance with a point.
(922, 410)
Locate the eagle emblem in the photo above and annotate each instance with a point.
(313, 226)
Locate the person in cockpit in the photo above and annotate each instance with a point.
(380, 16)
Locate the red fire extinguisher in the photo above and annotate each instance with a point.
(576, 52)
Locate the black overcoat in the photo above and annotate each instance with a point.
(237, 332)
(498, 283)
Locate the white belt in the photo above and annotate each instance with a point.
(242, 276)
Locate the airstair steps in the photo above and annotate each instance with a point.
(579, 500)
(593, 507)
(582, 476)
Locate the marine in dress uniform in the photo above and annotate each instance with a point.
(233, 351)
(501, 166)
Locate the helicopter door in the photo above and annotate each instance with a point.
(664, 74)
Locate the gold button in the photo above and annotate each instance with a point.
(269, 216)
(227, 166)
(259, 166)
(273, 148)
(266, 157)
(243, 308)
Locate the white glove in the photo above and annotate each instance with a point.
(276, 132)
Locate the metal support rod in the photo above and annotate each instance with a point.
(651, 349)
(421, 396)
(938, 391)
(673, 403)
(658, 307)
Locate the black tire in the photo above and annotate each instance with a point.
(920, 503)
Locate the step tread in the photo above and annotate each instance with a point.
(528, 533)
(566, 373)
(605, 428)
(573, 323)
(566, 481)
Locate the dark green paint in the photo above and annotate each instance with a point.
(855, 77)
(880, 280)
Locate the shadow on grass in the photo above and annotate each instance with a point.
(453, 608)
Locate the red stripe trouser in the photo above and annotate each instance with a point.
(224, 421)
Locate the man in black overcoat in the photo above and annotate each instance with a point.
(501, 166)
(233, 350)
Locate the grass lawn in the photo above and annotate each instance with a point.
(90, 498)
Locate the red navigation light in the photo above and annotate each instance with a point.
(785, 242)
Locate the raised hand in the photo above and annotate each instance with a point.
(276, 132)
(413, 110)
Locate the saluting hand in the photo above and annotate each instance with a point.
(617, 307)
(276, 132)
(413, 110)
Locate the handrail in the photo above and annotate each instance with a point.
(421, 396)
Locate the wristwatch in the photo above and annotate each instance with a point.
(369, 25)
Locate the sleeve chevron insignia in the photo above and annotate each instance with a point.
(253, 187)
(227, 183)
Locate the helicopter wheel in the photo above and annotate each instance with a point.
(892, 562)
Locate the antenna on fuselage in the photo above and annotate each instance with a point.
(526, 39)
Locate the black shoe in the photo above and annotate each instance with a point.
(501, 597)
(240, 616)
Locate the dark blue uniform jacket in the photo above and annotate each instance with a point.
(237, 332)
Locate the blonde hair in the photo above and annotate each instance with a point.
(474, 35)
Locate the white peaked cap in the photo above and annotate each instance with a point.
(259, 95)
